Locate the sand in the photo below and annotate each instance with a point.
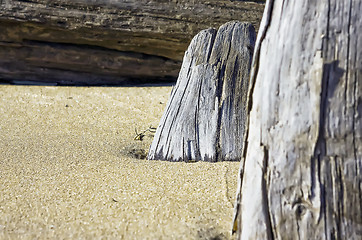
(71, 169)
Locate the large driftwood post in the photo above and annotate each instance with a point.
(302, 164)
(204, 118)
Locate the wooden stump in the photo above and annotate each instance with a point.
(301, 170)
(204, 118)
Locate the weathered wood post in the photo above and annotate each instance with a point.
(204, 118)
(301, 173)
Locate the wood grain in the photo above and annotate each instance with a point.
(75, 42)
(204, 118)
(301, 175)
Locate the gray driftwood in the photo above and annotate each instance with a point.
(106, 41)
(301, 173)
(204, 118)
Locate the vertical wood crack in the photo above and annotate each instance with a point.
(348, 55)
(265, 188)
(197, 130)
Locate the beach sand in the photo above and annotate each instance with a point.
(71, 169)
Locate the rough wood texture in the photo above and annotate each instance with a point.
(106, 41)
(301, 173)
(204, 118)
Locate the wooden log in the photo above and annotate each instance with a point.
(204, 118)
(301, 171)
(106, 41)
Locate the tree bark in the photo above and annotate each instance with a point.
(106, 41)
(204, 118)
(301, 172)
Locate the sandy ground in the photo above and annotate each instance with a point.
(71, 169)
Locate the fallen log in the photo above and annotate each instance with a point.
(106, 42)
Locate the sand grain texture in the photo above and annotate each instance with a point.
(67, 171)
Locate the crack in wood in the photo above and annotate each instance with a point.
(265, 182)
